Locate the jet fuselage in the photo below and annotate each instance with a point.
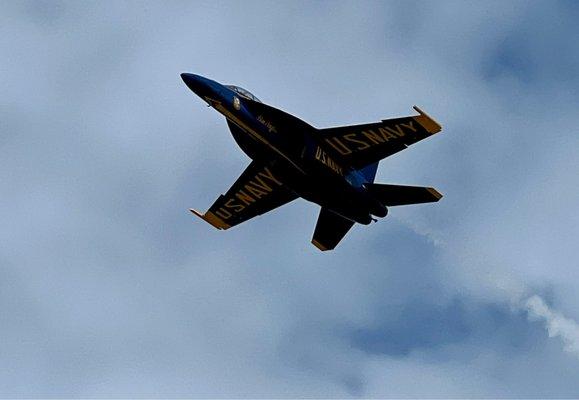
(303, 160)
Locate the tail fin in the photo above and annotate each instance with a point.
(369, 171)
(396, 195)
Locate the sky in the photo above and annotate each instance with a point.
(110, 288)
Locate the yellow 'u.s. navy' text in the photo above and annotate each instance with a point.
(362, 140)
(261, 185)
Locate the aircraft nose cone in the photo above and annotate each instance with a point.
(187, 76)
(202, 87)
(193, 82)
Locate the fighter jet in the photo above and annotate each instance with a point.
(331, 167)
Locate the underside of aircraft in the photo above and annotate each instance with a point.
(333, 167)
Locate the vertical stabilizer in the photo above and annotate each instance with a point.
(369, 171)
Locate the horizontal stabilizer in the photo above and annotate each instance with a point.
(369, 171)
(397, 195)
(330, 229)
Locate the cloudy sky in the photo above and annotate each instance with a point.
(109, 287)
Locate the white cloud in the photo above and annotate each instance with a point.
(555, 323)
(112, 289)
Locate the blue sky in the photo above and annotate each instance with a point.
(108, 287)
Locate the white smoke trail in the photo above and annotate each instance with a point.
(556, 324)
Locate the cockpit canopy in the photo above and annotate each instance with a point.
(242, 92)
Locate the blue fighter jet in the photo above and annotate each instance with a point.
(332, 167)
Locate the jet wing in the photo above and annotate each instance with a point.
(258, 190)
(360, 145)
(330, 229)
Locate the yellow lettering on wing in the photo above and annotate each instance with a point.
(223, 213)
(397, 130)
(334, 166)
(231, 203)
(262, 185)
(343, 146)
(327, 161)
(244, 197)
(351, 137)
(409, 125)
(255, 191)
(387, 133)
(267, 174)
(339, 146)
(373, 136)
(366, 139)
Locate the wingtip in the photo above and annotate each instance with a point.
(197, 213)
(319, 245)
(426, 121)
(435, 193)
(212, 219)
